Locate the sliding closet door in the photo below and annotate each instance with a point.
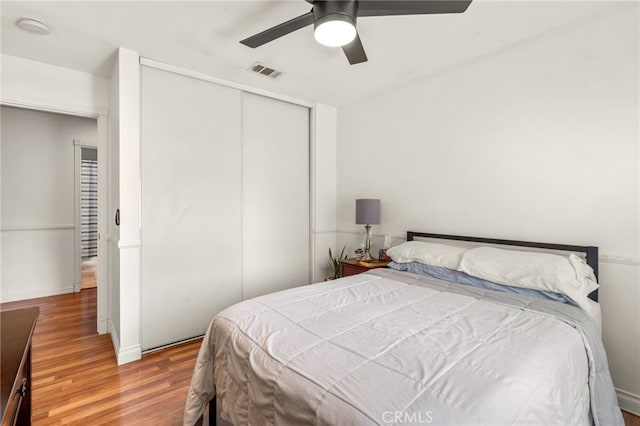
(191, 204)
(275, 195)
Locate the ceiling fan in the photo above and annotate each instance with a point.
(335, 21)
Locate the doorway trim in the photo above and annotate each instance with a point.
(102, 128)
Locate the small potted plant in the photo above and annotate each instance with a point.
(334, 263)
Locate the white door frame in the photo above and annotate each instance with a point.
(102, 128)
(101, 273)
(77, 209)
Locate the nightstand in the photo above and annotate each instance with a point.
(354, 267)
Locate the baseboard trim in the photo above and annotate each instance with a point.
(103, 326)
(123, 355)
(628, 401)
(35, 294)
(114, 337)
(129, 354)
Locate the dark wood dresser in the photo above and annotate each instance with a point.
(15, 396)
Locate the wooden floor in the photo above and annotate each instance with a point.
(76, 379)
(88, 275)
(630, 419)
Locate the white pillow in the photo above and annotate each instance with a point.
(568, 275)
(428, 253)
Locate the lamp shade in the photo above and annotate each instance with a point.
(367, 211)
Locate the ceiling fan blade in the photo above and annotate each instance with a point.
(354, 51)
(415, 7)
(279, 30)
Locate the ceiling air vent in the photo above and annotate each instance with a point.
(265, 70)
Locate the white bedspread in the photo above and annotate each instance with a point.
(389, 347)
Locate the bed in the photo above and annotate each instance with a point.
(405, 346)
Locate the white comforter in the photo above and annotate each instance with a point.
(390, 347)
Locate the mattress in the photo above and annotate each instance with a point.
(391, 347)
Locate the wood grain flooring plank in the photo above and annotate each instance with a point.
(630, 419)
(76, 379)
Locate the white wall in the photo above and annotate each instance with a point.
(536, 142)
(50, 87)
(38, 201)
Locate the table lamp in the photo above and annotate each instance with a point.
(367, 214)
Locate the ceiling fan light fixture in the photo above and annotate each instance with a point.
(335, 30)
(334, 21)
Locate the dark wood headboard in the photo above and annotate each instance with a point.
(591, 252)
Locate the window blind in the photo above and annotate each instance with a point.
(89, 208)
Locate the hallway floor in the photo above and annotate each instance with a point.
(88, 273)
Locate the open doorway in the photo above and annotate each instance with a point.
(38, 155)
(38, 220)
(86, 215)
(88, 218)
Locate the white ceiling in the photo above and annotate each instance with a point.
(203, 36)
